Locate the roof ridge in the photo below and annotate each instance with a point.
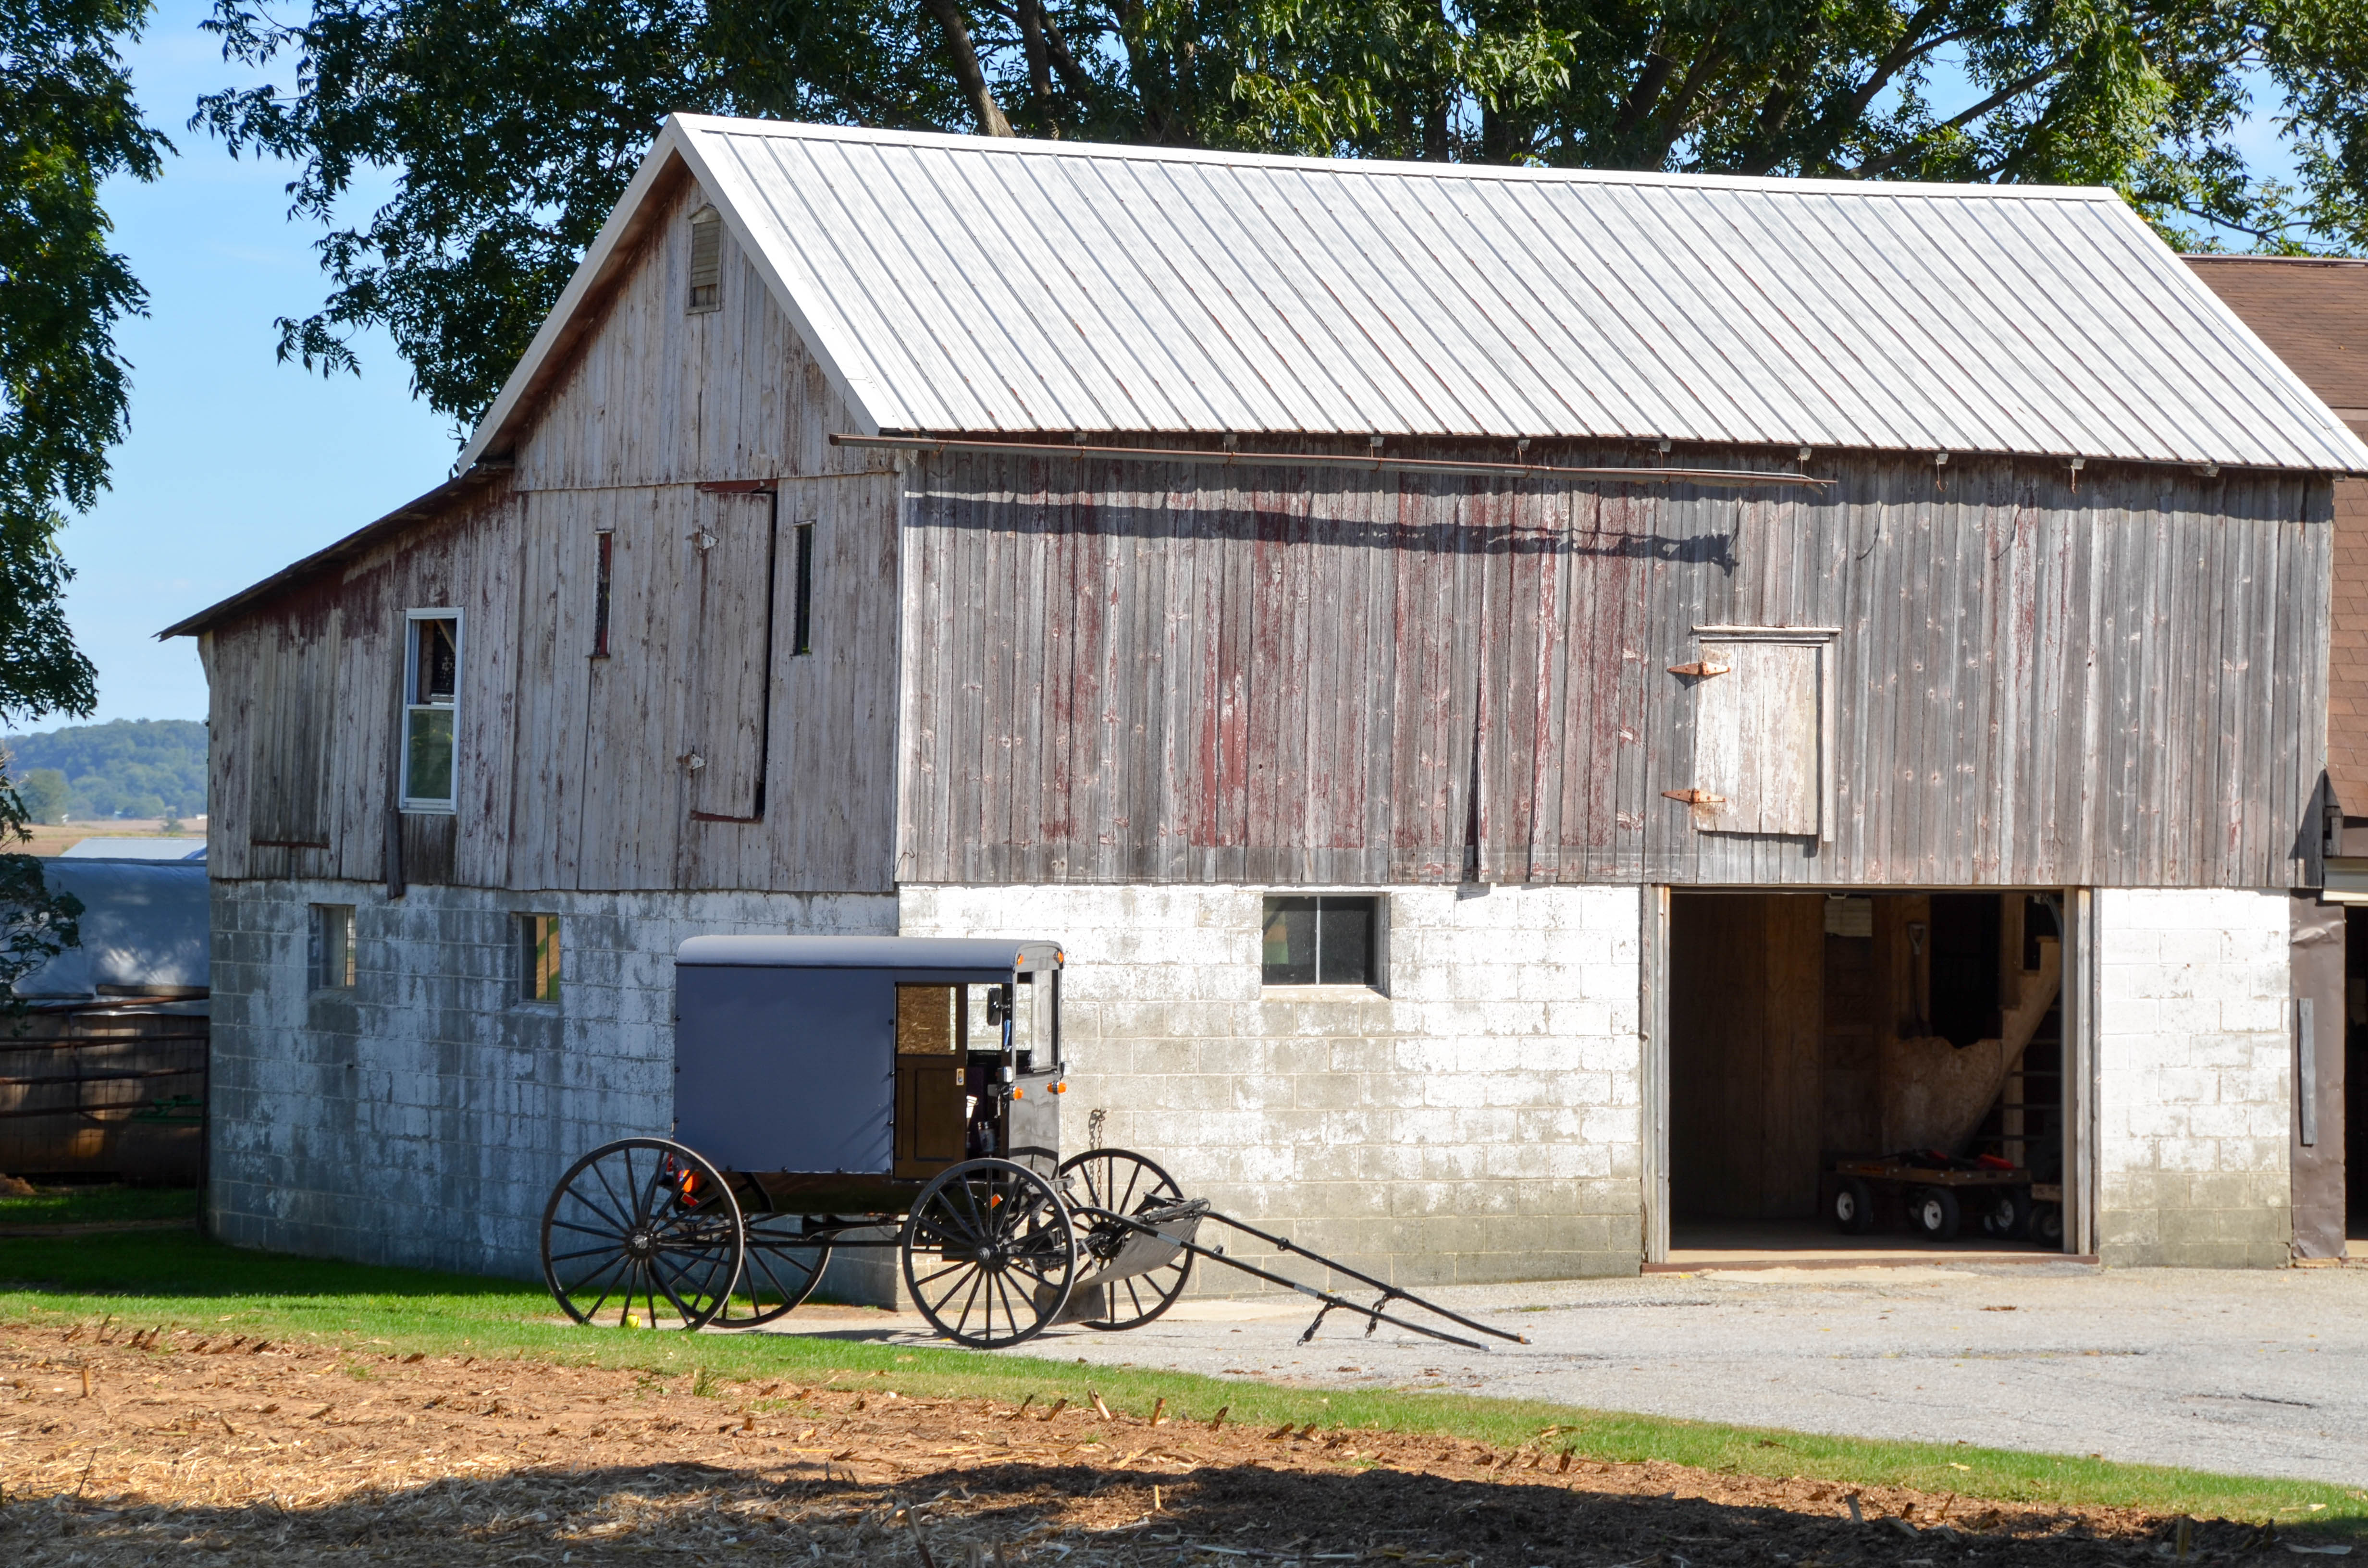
(1009, 146)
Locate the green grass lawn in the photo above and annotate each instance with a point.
(99, 1205)
(178, 1279)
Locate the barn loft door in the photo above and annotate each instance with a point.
(1761, 759)
(732, 550)
(294, 712)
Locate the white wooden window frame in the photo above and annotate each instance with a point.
(430, 806)
(1820, 637)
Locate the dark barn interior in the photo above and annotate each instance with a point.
(1809, 1030)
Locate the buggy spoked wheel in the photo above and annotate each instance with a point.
(1122, 1182)
(779, 1267)
(641, 1228)
(989, 1254)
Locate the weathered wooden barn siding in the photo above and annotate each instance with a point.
(1123, 672)
(572, 765)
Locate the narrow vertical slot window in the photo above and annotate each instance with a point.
(706, 260)
(539, 953)
(604, 547)
(802, 622)
(332, 946)
(431, 709)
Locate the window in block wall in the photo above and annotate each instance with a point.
(431, 709)
(539, 957)
(332, 946)
(1322, 939)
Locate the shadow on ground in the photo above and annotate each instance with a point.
(812, 1510)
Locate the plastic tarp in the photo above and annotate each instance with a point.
(144, 925)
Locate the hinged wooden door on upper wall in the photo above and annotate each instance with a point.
(1762, 762)
(731, 568)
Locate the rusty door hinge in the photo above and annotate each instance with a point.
(1702, 668)
(1694, 797)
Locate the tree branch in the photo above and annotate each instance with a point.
(963, 55)
(1899, 155)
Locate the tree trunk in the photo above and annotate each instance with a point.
(967, 70)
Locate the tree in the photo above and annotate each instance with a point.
(67, 122)
(516, 126)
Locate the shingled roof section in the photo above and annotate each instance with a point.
(2314, 312)
(959, 285)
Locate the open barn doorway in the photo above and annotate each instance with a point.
(1864, 1074)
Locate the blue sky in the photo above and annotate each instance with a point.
(237, 464)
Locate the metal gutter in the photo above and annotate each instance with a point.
(1230, 458)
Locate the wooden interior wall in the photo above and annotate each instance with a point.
(1746, 976)
(1141, 672)
(573, 771)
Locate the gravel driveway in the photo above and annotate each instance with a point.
(2249, 1372)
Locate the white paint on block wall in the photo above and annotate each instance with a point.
(1480, 1121)
(423, 1116)
(2194, 1090)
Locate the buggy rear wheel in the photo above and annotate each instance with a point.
(644, 1226)
(989, 1254)
(1122, 1182)
(779, 1269)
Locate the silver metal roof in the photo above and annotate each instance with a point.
(144, 924)
(961, 284)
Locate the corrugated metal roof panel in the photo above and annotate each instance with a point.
(961, 284)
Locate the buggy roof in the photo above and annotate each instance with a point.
(868, 952)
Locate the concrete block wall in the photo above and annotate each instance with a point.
(1477, 1119)
(423, 1117)
(2195, 1086)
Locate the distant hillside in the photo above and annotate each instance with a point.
(131, 768)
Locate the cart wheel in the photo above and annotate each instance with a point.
(1853, 1208)
(1932, 1212)
(779, 1269)
(989, 1254)
(637, 1222)
(1124, 1182)
(2047, 1224)
(2006, 1214)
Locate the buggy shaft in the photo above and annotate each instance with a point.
(1286, 1245)
(1331, 1301)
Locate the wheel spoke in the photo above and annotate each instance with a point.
(939, 1304)
(589, 1230)
(582, 1252)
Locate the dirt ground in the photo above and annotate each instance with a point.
(120, 1448)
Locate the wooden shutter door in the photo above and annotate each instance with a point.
(1756, 730)
(733, 561)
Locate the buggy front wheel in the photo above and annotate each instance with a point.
(1119, 1181)
(989, 1254)
(642, 1229)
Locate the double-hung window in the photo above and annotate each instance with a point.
(431, 709)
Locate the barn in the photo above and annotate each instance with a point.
(1549, 710)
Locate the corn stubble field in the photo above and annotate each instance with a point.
(123, 1446)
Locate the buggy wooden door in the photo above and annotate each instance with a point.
(930, 1112)
(733, 566)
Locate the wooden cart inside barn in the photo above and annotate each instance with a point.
(837, 1093)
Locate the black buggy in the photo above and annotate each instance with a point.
(839, 1095)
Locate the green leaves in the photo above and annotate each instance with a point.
(516, 126)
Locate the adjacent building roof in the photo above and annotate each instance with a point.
(145, 931)
(2313, 311)
(955, 284)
